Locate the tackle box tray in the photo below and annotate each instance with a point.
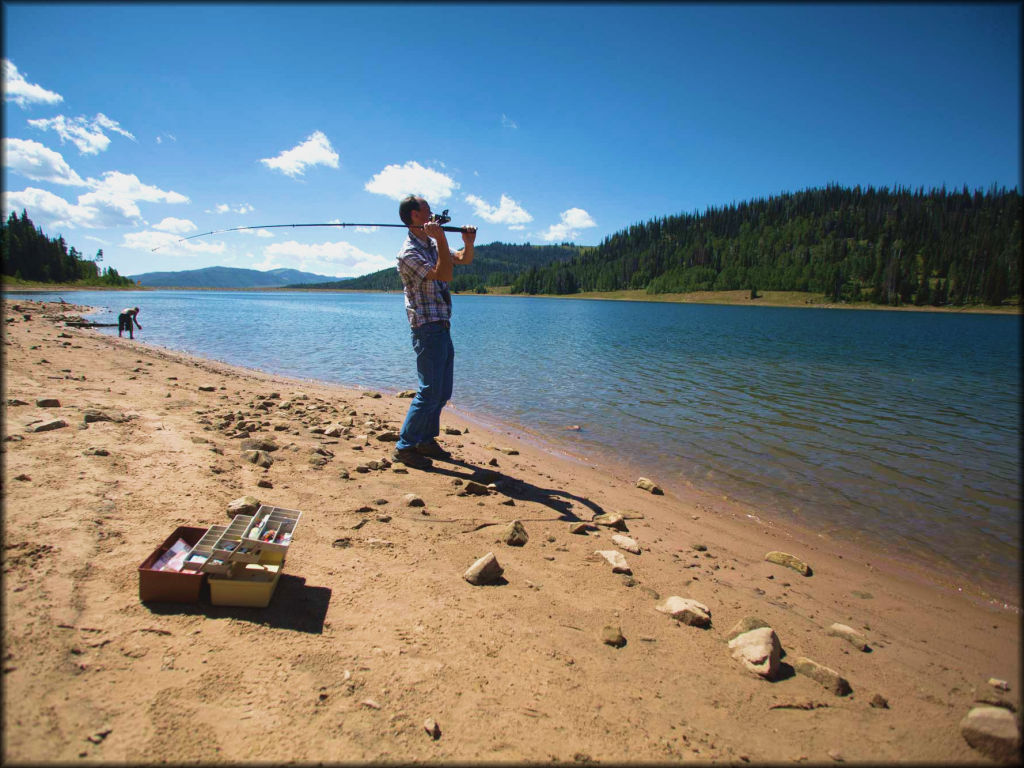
(171, 586)
(246, 584)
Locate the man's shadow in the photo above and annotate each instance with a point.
(560, 501)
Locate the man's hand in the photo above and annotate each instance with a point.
(433, 229)
(468, 235)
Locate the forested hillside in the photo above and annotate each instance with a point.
(28, 254)
(493, 264)
(856, 244)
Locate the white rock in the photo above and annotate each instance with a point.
(992, 731)
(759, 651)
(616, 559)
(626, 543)
(687, 611)
(850, 635)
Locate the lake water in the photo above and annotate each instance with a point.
(897, 429)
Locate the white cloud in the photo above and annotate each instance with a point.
(37, 162)
(169, 244)
(573, 220)
(507, 212)
(175, 226)
(259, 232)
(160, 138)
(87, 135)
(316, 150)
(48, 210)
(226, 208)
(111, 203)
(367, 230)
(22, 92)
(508, 122)
(397, 181)
(119, 192)
(328, 258)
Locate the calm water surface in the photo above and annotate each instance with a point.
(898, 429)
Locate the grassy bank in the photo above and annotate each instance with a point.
(764, 299)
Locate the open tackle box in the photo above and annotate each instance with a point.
(242, 561)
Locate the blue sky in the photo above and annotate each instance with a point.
(130, 126)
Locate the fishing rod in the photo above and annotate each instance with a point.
(437, 218)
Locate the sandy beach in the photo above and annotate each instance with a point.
(373, 630)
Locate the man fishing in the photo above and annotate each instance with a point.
(426, 263)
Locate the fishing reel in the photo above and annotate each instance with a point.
(440, 218)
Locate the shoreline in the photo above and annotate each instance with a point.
(740, 298)
(387, 618)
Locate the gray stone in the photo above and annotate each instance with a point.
(626, 543)
(515, 534)
(759, 651)
(830, 679)
(412, 500)
(581, 529)
(615, 559)
(484, 571)
(334, 430)
(687, 611)
(259, 444)
(15, 401)
(473, 488)
(90, 416)
(878, 701)
(430, 724)
(850, 635)
(388, 437)
(244, 505)
(48, 402)
(95, 452)
(259, 458)
(207, 389)
(46, 426)
(993, 731)
(782, 558)
(647, 485)
(746, 624)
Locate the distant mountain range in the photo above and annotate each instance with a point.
(229, 277)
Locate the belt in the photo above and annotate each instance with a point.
(443, 323)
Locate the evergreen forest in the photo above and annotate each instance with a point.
(28, 254)
(884, 247)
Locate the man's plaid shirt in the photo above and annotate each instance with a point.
(426, 301)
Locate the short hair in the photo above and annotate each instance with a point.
(409, 204)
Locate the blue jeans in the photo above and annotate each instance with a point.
(435, 368)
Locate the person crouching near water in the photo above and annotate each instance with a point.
(125, 320)
(425, 264)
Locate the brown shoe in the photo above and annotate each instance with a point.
(411, 458)
(433, 449)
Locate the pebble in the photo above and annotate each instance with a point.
(626, 543)
(759, 651)
(829, 678)
(486, 570)
(612, 635)
(615, 559)
(782, 558)
(647, 485)
(687, 611)
(432, 728)
(412, 500)
(850, 635)
(515, 534)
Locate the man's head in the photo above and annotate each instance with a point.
(414, 211)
